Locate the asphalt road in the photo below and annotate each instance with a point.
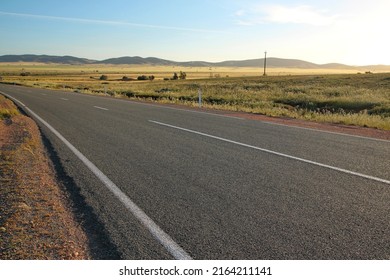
(218, 187)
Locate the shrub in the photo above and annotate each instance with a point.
(125, 78)
(129, 93)
(142, 78)
(183, 75)
(103, 78)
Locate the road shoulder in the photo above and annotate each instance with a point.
(36, 219)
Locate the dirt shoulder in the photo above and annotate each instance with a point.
(36, 220)
(329, 127)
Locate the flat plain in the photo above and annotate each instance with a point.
(347, 97)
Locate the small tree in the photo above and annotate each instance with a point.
(175, 76)
(151, 77)
(183, 75)
(103, 78)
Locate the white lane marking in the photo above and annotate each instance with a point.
(266, 122)
(163, 238)
(163, 107)
(43, 94)
(199, 112)
(20, 102)
(178, 109)
(64, 99)
(239, 118)
(325, 131)
(101, 108)
(276, 153)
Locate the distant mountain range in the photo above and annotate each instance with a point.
(272, 62)
(45, 59)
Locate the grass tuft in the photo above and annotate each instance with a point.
(7, 109)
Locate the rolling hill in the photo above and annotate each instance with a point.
(44, 59)
(272, 62)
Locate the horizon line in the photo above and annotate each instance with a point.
(187, 61)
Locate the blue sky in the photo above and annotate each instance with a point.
(344, 31)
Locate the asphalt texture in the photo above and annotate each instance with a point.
(218, 199)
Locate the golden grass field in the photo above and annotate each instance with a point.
(162, 71)
(325, 95)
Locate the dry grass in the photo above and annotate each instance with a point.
(7, 108)
(361, 100)
(35, 220)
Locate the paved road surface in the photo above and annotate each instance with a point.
(210, 186)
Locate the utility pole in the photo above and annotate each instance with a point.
(265, 63)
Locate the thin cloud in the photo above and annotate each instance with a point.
(245, 22)
(301, 14)
(240, 13)
(111, 22)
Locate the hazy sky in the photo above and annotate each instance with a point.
(346, 31)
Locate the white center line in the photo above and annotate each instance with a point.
(277, 153)
(101, 108)
(64, 99)
(179, 109)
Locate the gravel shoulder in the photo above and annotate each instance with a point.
(36, 216)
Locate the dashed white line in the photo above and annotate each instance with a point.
(101, 108)
(276, 153)
(179, 109)
(64, 99)
(163, 238)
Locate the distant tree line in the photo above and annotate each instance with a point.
(145, 78)
(181, 76)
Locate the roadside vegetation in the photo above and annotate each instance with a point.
(35, 219)
(7, 109)
(352, 99)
